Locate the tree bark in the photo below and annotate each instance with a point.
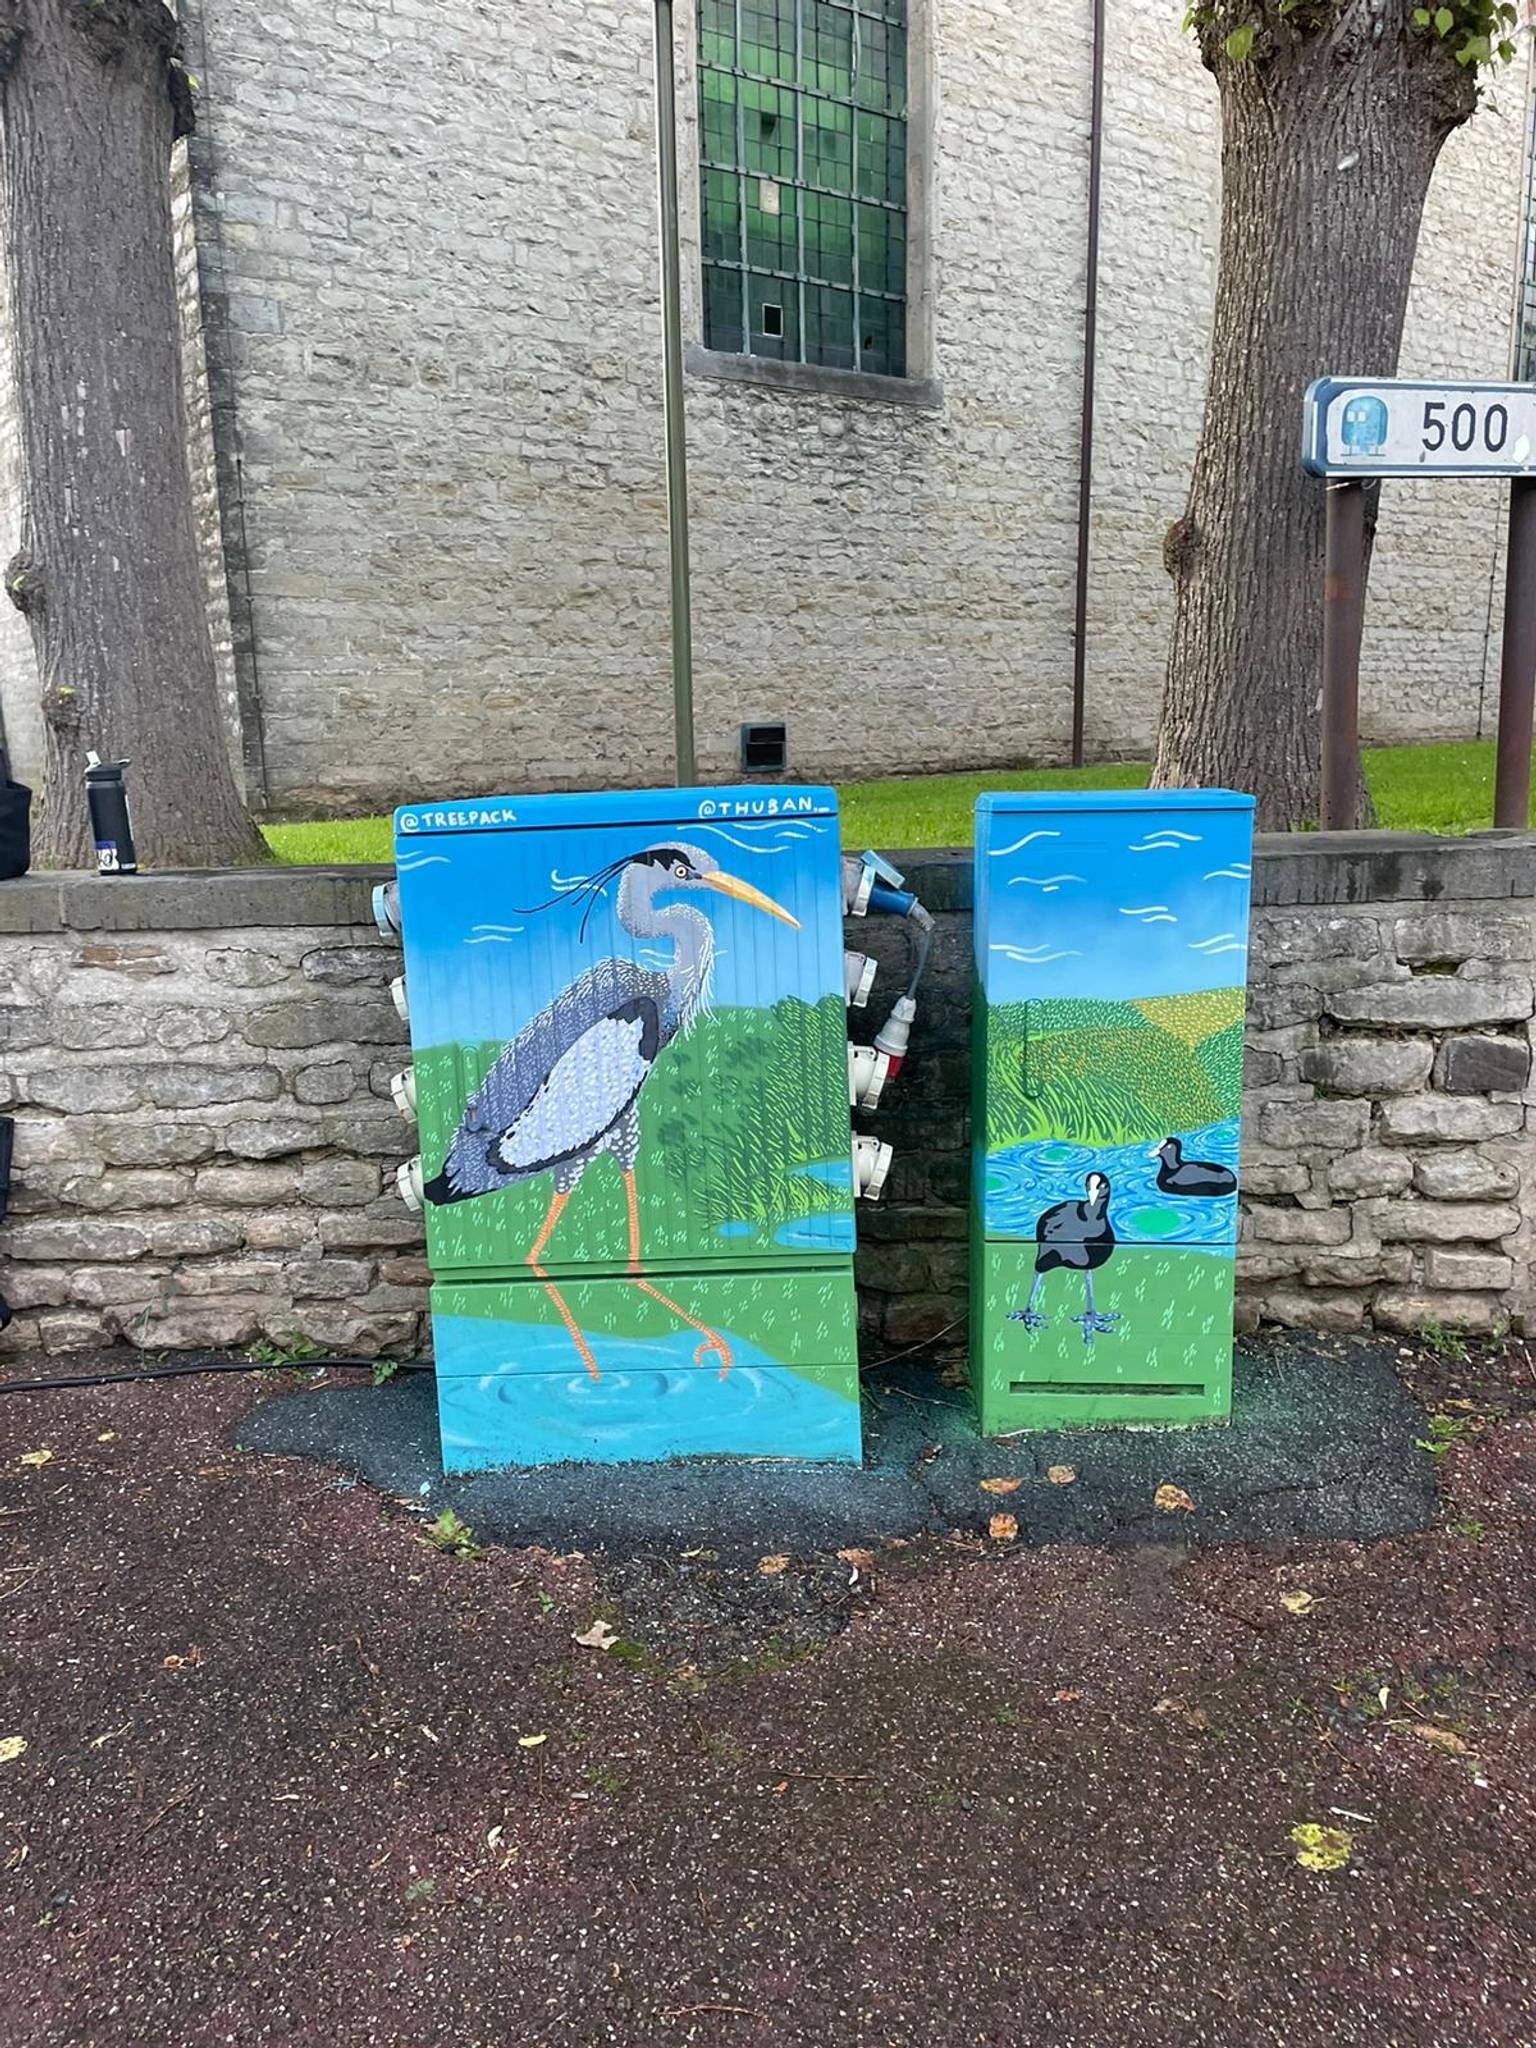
(92, 97)
(1330, 134)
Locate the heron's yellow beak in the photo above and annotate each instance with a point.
(732, 885)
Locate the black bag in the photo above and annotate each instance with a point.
(15, 824)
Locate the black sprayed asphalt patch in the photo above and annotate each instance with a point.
(1322, 1443)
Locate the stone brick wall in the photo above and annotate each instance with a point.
(199, 1068)
(426, 243)
(204, 1127)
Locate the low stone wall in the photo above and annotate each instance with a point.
(199, 1067)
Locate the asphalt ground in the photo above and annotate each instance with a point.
(274, 1768)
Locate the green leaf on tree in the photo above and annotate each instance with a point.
(1445, 21)
(1506, 53)
(1240, 42)
(1421, 17)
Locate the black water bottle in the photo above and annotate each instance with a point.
(111, 826)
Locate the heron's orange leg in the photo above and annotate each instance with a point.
(557, 1202)
(713, 1342)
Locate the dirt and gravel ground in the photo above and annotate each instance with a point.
(292, 1775)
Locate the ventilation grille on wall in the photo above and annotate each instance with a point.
(764, 747)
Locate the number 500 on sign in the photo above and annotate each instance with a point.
(1392, 427)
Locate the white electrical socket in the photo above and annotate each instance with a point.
(408, 1185)
(868, 1072)
(858, 978)
(386, 909)
(858, 880)
(403, 1088)
(872, 1159)
(398, 997)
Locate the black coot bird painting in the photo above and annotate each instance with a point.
(1080, 1237)
(1177, 1175)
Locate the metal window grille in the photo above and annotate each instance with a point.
(803, 128)
(1525, 335)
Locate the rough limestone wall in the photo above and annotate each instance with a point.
(1389, 1151)
(203, 1131)
(200, 1070)
(444, 356)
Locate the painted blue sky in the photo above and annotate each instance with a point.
(480, 961)
(1113, 903)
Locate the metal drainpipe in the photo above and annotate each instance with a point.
(672, 366)
(1090, 378)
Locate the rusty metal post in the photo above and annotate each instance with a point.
(1517, 669)
(1343, 623)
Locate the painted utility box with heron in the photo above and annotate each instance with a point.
(1111, 941)
(630, 1074)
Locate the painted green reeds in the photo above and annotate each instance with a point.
(1111, 1073)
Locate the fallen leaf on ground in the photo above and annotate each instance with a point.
(1061, 1475)
(531, 1741)
(1002, 1528)
(108, 1436)
(1000, 1485)
(770, 1567)
(35, 1458)
(1173, 1500)
(860, 1560)
(493, 1837)
(11, 1747)
(598, 1637)
(1064, 1697)
(1320, 1848)
(1297, 1602)
(1192, 1717)
(1442, 1738)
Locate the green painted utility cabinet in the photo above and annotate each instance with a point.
(1111, 941)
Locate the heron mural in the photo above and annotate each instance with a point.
(567, 1089)
(629, 1047)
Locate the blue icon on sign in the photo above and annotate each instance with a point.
(1365, 426)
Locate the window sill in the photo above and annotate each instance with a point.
(814, 380)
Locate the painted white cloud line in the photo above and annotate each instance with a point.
(1149, 913)
(425, 860)
(1167, 841)
(1035, 959)
(759, 845)
(1209, 945)
(1046, 884)
(1235, 874)
(1236, 946)
(1043, 833)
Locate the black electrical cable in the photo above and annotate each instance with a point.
(922, 945)
(176, 1372)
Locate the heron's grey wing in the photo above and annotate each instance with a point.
(546, 1095)
(585, 1093)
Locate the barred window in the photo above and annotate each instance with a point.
(803, 162)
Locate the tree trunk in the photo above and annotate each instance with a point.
(1330, 134)
(92, 96)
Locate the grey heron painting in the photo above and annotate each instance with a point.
(567, 1089)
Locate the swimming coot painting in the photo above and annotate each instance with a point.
(1177, 1175)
